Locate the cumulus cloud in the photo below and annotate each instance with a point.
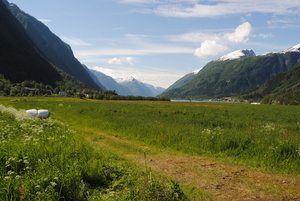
(115, 61)
(209, 48)
(218, 43)
(241, 33)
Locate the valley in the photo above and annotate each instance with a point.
(215, 151)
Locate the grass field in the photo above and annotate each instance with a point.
(265, 137)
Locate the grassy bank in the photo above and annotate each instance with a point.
(262, 136)
(46, 160)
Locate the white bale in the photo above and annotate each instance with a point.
(43, 114)
(32, 112)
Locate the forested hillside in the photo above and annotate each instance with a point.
(283, 89)
(227, 78)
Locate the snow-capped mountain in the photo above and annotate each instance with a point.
(110, 84)
(236, 55)
(136, 87)
(295, 48)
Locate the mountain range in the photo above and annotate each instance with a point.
(30, 51)
(61, 56)
(127, 86)
(232, 73)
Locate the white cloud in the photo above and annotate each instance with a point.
(241, 33)
(284, 23)
(130, 60)
(213, 8)
(209, 48)
(45, 20)
(270, 35)
(193, 37)
(139, 1)
(74, 41)
(115, 61)
(106, 71)
(160, 49)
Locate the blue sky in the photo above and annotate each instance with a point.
(159, 41)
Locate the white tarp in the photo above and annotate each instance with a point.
(38, 113)
(32, 112)
(43, 114)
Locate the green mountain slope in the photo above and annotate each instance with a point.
(287, 82)
(182, 81)
(52, 47)
(229, 77)
(19, 59)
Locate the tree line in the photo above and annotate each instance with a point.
(33, 88)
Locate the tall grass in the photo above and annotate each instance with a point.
(263, 136)
(46, 160)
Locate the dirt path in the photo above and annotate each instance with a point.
(222, 182)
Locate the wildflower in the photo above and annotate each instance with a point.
(38, 186)
(10, 172)
(18, 177)
(53, 184)
(6, 178)
(12, 159)
(26, 161)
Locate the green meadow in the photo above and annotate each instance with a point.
(64, 166)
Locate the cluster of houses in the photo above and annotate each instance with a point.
(44, 92)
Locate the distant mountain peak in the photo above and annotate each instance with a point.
(236, 55)
(126, 79)
(295, 48)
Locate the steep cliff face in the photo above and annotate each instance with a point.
(51, 46)
(19, 58)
